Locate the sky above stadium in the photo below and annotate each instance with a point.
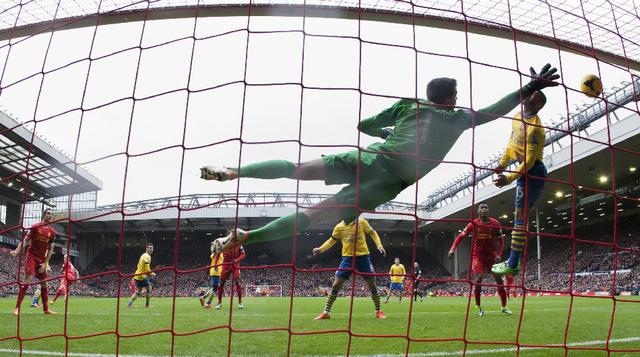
(152, 128)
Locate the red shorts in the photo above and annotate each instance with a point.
(481, 265)
(31, 267)
(508, 279)
(226, 274)
(65, 284)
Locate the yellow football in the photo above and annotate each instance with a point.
(591, 85)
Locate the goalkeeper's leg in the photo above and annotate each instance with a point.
(272, 169)
(283, 227)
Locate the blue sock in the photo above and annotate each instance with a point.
(34, 300)
(514, 259)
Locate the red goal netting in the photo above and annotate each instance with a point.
(141, 94)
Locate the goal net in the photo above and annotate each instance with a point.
(315, 112)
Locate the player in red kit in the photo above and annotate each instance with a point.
(70, 277)
(40, 237)
(487, 250)
(231, 265)
(510, 285)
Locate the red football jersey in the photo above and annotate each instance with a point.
(69, 270)
(487, 240)
(231, 256)
(40, 236)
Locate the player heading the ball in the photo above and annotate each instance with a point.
(526, 145)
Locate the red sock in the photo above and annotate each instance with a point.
(503, 296)
(45, 298)
(220, 291)
(239, 290)
(21, 293)
(58, 293)
(477, 294)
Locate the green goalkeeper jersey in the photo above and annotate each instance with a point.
(424, 134)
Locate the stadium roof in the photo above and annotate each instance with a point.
(218, 212)
(32, 169)
(609, 30)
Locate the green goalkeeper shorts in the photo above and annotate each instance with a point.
(376, 182)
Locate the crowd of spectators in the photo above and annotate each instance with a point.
(566, 264)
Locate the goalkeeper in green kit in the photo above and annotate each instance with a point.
(417, 135)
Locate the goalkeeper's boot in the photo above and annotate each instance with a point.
(505, 311)
(240, 306)
(235, 237)
(207, 306)
(380, 315)
(504, 268)
(479, 311)
(201, 299)
(218, 306)
(49, 312)
(323, 316)
(35, 305)
(217, 173)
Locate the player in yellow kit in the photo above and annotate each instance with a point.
(526, 145)
(345, 233)
(396, 273)
(214, 279)
(141, 277)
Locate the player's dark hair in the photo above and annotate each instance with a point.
(148, 244)
(483, 203)
(439, 90)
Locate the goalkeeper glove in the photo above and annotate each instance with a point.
(546, 78)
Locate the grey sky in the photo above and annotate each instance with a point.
(329, 117)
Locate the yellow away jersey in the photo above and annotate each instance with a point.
(345, 233)
(216, 265)
(516, 148)
(397, 272)
(144, 267)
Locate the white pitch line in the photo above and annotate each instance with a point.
(504, 350)
(428, 354)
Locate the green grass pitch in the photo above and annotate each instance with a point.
(544, 322)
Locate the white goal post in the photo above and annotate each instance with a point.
(263, 290)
